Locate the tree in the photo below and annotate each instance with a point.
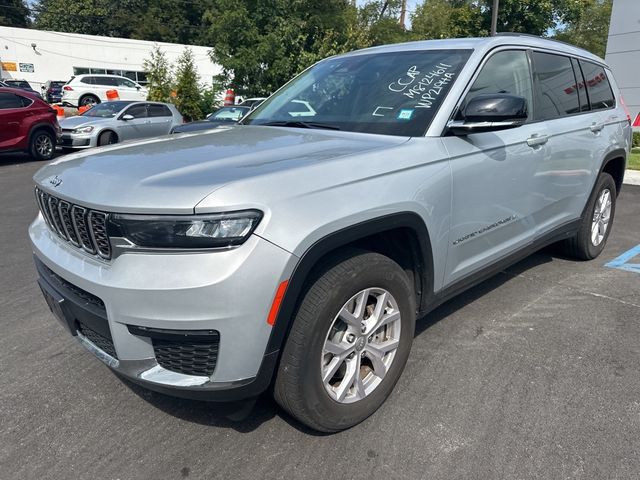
(188, 98)
(588, 28)
(159, 76)
(447, 19)
(158, 20)
(261, 44)
(14, 13)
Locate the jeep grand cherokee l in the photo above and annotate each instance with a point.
(297, 250)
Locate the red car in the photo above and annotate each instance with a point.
(27, 123)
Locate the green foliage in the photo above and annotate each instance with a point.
(447, 19)
(589, 26)
(159, 76)
(14, 13)
(188, 99)
(261, 44)
(159, 20)
(636, 139)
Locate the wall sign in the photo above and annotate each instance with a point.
(9, 66)
(27, 67)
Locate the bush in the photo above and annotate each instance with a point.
(188, 97)
(636, 139)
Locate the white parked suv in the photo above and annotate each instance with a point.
(86, 90)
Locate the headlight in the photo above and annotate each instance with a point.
(185, 231)
(87, 129)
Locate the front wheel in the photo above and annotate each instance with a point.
(107, 138)
(349, 342)
(596, 224)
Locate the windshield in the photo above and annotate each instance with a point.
(395, 93)
(105, 110)
(229, 114)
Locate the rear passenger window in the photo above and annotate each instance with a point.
(598, 87)
(505, 72)
(106, 81)
(158, 111)
(557, 95)
(9, 100)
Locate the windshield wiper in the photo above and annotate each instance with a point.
(299, 124)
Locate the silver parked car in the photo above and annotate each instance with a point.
(113, 122)
(298, 250)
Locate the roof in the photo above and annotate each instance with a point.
(484, 43)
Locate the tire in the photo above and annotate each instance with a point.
(299, 387)
(88, 101)
(42, 145)
(586, 245)
(107, 138)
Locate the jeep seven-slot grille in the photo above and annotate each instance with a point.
(81, 227)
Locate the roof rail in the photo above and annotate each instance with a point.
(517, 34)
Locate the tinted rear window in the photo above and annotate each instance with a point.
(598, 87)
(9, 100)
(158, 111)
(556, 94)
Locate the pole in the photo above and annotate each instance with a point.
(494, 17)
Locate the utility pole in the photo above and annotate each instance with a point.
(494, 17)
(403, 13)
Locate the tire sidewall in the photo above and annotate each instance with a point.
(321, 406)
(605, 181)
(33, 149)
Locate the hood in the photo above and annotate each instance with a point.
(201, 125)
(80, 121)
(172, 174)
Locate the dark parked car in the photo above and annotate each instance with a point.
(20, 84)
(224, 116)
(28, 124)
(52, 91)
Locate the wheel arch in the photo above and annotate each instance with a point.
(107, 130)
(40, 126)
(402, 236)
(614, 164)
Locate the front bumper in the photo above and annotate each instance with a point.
(229, 292)
(71, 140)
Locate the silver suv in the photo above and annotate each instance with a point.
(297, 250)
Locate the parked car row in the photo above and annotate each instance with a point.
(28, 124)
(106, 122)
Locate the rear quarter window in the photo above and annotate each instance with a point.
(598, 86)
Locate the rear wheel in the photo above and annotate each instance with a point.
(89, 101)
(597, 221)
(42, 145)
(349, 343)
(107, 138)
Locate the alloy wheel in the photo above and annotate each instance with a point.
(601, 217)
(361, 345)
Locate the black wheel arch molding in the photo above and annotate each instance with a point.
(41, 126)
(421, 253)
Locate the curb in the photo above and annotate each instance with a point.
(632, 177)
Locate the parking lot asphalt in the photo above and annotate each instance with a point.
(533, 374)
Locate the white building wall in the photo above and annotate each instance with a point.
(623, 51)
(56, 54)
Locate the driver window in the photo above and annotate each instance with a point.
(505, 72)
(137, 111)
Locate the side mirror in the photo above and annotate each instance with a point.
(490, 112)
(138, 87)
(127, 117)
